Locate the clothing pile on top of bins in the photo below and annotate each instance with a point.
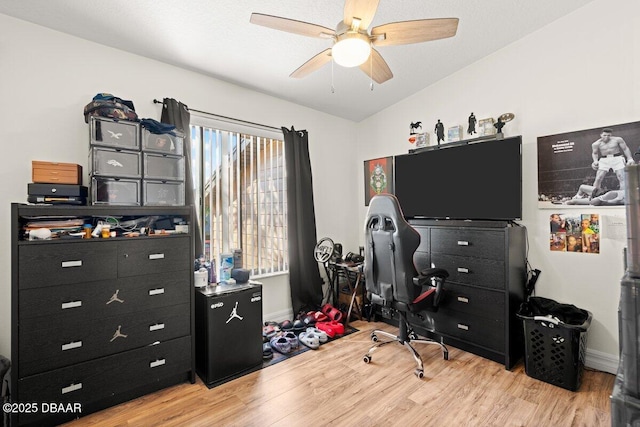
(108, 105)
(565, 313)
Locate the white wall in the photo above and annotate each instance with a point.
(46, 78)
(580, 72)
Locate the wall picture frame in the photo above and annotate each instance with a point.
(378, 177)
(486, 127)
(570, 175)
(454, 133)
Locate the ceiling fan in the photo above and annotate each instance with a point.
(353, 44)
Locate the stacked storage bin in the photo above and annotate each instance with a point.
(164, 168)
(115, 162)
(130, 165)
(625, 399)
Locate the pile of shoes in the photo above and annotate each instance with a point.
(312, 329)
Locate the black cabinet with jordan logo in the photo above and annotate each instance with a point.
(96, 322)
(228, 331)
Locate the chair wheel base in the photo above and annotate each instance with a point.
(366, 358)
(419, 373)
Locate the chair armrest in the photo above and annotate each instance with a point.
(425, 275)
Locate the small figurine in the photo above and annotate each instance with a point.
(439, 130)
(472, 124)
(499, 125)
(414, 127)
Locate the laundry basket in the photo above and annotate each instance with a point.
(555, 337)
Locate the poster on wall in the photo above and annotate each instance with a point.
(586, 167)
(378, 177)
(575, 233)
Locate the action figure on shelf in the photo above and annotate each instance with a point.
(472, 124)
(499, 125)
(414, 127)
(439, 130)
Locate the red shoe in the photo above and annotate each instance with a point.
(332, 329)
(320, 317)
(332, 313)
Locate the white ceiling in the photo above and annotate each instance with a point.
(214, 37)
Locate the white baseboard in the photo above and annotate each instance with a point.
(278, 316)
(600, 361)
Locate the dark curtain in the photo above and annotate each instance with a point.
(304, 274)
(177, 114)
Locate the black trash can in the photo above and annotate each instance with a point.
(555, 337)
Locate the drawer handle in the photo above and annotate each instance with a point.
(156, 327)
(157, 291)
(71, 304)
(463, 327)
(157, 363)
(72, 387)
(71, 345)
(156, 256)
(66, 264)
(463, 299)
(463, 270)
(463, 243)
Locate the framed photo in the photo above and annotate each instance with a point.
(586, 167)
(422, 140)
(486, 128)
(454, 133)
(378, 177)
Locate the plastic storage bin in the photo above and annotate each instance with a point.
(114, 163)
(555, 341)
(114, 191)
(162, 143)
(117, 134)
(163, 167)
(625, 409)
(630, 334)
(163, 193)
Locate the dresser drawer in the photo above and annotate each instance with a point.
(471, 271)
(478, 330)
(62, 343)
(474, 301)
(42, 265)
(96, 300)
(101, 378)
(153, 255)
(472, 243)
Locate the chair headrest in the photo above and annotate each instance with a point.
(385, 206)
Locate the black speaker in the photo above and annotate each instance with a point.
(240, 275)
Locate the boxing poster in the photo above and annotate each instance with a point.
(378, 177)
(586, 167)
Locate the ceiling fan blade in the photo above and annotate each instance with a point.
(291, 26)
(406, 32)
(364, 10)
(312, 65)
(381, 71)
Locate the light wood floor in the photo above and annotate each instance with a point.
(333, 386)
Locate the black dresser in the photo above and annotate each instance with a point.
(486, 261)
(96, 322)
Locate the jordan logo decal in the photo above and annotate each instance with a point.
(234, 313)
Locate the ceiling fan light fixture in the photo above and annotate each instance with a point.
(351, 49)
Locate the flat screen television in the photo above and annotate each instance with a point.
(475, 181)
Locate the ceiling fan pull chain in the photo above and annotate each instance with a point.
(371, 69)
(333, 89)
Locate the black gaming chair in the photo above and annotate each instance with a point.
(391, 278)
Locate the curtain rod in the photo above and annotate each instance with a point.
(155, 101)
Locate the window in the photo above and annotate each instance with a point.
(240, 178)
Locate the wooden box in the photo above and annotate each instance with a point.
(56, 173)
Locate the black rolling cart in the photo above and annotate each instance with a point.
(228, 331)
